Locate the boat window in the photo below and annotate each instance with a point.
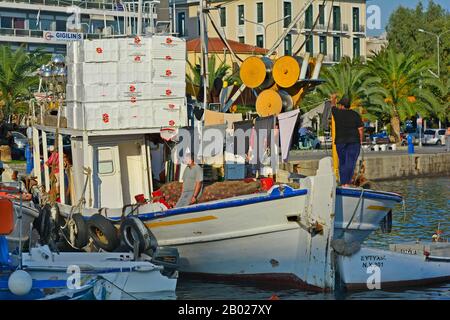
(105, 167)
(105, 161)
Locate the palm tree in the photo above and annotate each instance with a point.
(17, 76)
(349, 77)
(403, 88)
(194, 79)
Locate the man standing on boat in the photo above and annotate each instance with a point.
(192, 183)
(348, 138)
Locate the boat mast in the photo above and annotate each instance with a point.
(204, 50)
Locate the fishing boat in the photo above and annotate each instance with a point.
(118, 275)
(413, 265)
(282, 235)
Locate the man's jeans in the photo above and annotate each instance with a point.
(348, 154)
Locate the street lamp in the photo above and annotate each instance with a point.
(266, 26)
(438, 39)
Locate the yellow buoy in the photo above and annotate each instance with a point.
(271, 102)
(256, 72)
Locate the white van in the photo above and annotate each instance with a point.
(434, 136)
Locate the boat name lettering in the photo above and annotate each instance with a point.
(373, 258)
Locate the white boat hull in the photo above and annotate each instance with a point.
(395, 270)
(129, 277)
(259, 240)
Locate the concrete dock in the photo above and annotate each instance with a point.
(382, 165)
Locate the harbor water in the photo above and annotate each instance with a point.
(427, 205)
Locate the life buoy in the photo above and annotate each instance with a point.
(102, 232)
(132, 229)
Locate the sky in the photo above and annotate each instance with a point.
(388, 6)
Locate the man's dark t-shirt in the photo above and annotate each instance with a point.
(347, 123)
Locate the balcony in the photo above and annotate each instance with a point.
(359, 29)
(100, 4)
(324, 28)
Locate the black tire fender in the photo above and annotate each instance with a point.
(102, 232)
(43, 224)
(78, 225)
(132, 229)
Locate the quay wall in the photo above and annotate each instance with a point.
(387, 167)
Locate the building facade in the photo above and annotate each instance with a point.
(27, 22)
(339, 31)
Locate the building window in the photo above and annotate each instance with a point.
(241, 16)
(356, 48)
(223, 16)
(323, 44)
(355, 19)
(181, 24)
(288, 45)
(336, 49)
(309, 17)
(336, 18)
(61, 25)
(241, 39)
(7, 22)
(321, 14)
(19, 23)
(309, 44)
(259, 12)
(287, 11)
(260, 41)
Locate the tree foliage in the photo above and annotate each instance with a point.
(404, 37)
(18, 77)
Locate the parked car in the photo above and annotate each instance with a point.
(415, 137)
(19, 139)
(434, 136)
(51, 141)
(308, 142)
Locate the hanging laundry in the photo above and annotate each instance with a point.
(198, 113)
(262, 143)
(212, 118)
(286, 123)
(157, 159)
(213, 139)
(245, 128)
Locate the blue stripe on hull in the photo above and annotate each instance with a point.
(275, 195)
(369, 194)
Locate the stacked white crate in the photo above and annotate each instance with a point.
(168, 80)
(126, 83)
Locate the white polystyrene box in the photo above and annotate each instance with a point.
(136, 116)
(168, 90)
(93, 93)
(92, 73)
(75, 115)
(102, 116)
(134, 72)
(134, 92)
(169, 112)
(168, 48)
(74, 52)
(168, 70)
(101, 50)
(135, 50)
